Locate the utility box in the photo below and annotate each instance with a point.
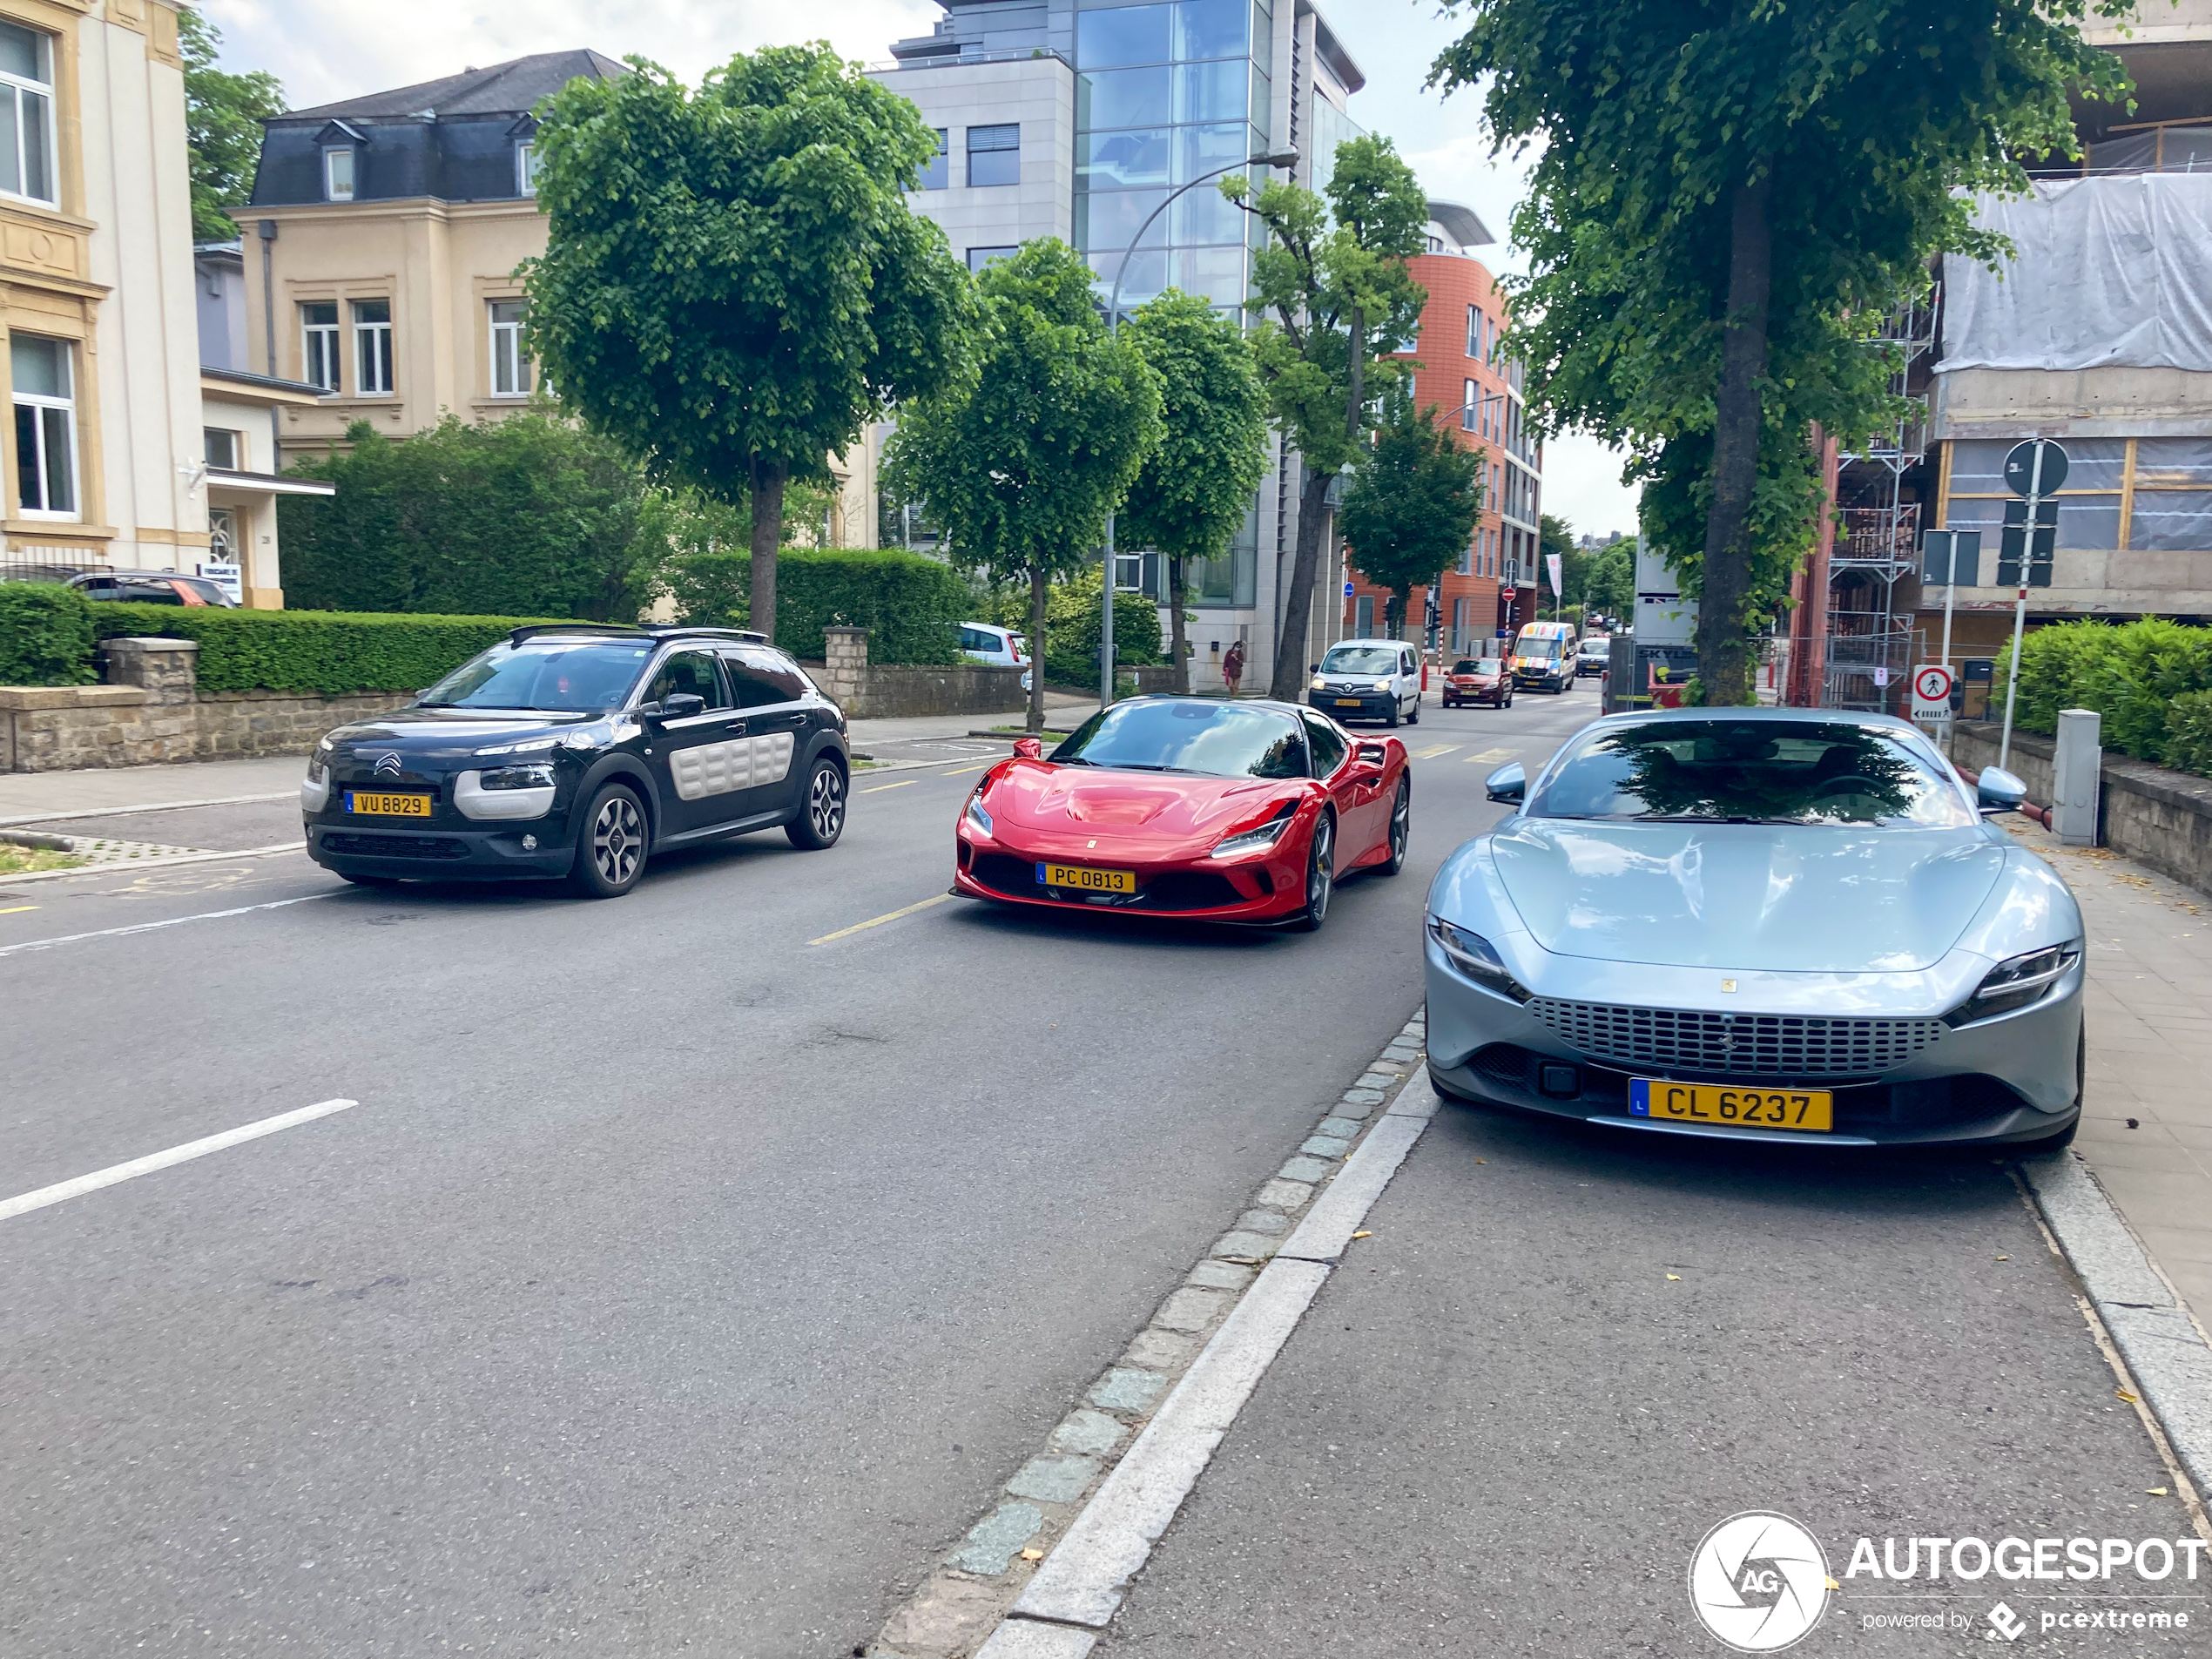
(1664, 618)
(2077, 775)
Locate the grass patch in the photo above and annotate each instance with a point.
(1024, 732)
(29, 860)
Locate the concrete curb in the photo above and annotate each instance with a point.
(156, 806)
(168, 861)
(2164, 1349)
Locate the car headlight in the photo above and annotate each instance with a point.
(1382, 685)
(977, 816)
(1319, 684)
(1475, 957)
(529, 745)
(535, 777)
(2016, 982)
(318, 767)
(1260, 839)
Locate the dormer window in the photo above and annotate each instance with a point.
(526, 168)
(338, 173)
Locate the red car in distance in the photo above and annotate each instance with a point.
(1477, 679)
(1246, 812)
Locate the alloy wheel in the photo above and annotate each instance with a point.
(825, 803)
(617, 839)
(1401, 823)
(1320, 873)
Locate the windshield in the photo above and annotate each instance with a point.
(1360, 659)
(1218, 739)
(1750, 771)
(1477, 665)
(1538, 648)
(565, 676)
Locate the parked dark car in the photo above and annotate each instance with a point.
(1477, 680)
(151, 588)
(580, 750)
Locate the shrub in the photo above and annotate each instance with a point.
(2188, 733)
(2130, 674)
(326, 652)
(45, 635)
(911, 606)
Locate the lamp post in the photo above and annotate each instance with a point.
(1280, 158)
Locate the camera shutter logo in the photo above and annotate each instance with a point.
(1759, 1581)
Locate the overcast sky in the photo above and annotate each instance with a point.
(336, 49)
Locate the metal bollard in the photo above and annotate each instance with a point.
(2077, 775)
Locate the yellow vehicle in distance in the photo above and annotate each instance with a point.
(1543, 656)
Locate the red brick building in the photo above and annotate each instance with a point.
(1459, 372)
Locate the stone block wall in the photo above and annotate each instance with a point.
(867, 690)
(153, 714)
(2156, 816)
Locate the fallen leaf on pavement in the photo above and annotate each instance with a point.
(1833, 1585)
(1674, 1276)
(1033, 1555)
(2004, 1258)
(2123, 1394)
(1364, 1235)
(1482, 1160)
(2156, 1492)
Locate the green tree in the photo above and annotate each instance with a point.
(223, 116)
(1334, 276)
(1021, 459)
(733, 285)
(528, 516)
(1196, 487)
(1412, 505)
(1726, 196)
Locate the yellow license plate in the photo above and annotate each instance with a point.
(361, 803)
(1083, 881)
(1348, 702)
(1732, 1107)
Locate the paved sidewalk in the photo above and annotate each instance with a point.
(2146, 1126)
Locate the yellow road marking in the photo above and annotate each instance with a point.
(1434, 750)
(1492, 754)
(879, 788)
(878, 921)
(18, 909)
(957, 771)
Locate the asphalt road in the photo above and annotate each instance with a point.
(685, 1279)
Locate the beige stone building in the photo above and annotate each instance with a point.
(104, 452)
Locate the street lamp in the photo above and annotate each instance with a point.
(1280, 158)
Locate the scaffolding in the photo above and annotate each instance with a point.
(1869, 649)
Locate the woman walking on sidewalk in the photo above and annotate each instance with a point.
(1232, 666)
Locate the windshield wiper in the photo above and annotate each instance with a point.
(1706, 818)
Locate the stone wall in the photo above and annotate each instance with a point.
(152, 713)
(869, 691)
(2156, 816)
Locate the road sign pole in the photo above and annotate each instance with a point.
(2020, 608)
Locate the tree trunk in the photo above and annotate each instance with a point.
(1036, 647)
(1178, 647)
(1723, 651)
(768, 479)
(1288, 683)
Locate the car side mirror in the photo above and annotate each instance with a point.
(1508, 783)
(1999, 791)
(1028, 749)
(646, 712)
(682, 705)
(1375, 752)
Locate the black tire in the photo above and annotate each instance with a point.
(1320, 876)
(610, 844)
(1391, 719)
(821, 812)
(1414, 718)
(1401, 827)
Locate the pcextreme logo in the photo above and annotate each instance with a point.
(1759, 1581)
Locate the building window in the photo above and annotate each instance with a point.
(526, 169)
(225, 449)
(1458, 626)
(45, 425)
(1363, 616)
(936, 173)
(1474, 333)
(26, 114)
(338, 174)
(1471, 411)
(319, 344)
(995, 155)
(980, 257)
(1466, 566)
(371, 348)
(510, 366)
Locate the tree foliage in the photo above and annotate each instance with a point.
(1338, 300)
(531, 515)
(1726, 196)
(223, 115)
(733, 285)
(1412, 505)
(1194, 491)
(1022, 458)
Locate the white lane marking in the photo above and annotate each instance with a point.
(149, 927)
(62, 1190)
(878, 921)
(1434, 750)
(878, 789)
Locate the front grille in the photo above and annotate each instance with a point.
(1176, 890)
(396, 846)
(1755, 1045)
(1016, 876)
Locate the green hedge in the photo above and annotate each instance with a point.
(333, 652)
(911, 606)
(45, 635)
(2144, 676)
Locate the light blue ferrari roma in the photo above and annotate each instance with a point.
(1763, 924)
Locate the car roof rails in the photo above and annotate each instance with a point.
(667, 630)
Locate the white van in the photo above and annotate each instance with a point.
(1369, 679)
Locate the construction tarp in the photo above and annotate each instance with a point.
(2106, 271)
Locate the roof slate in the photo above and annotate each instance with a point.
(502, 89)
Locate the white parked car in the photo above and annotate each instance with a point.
(986, 641)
